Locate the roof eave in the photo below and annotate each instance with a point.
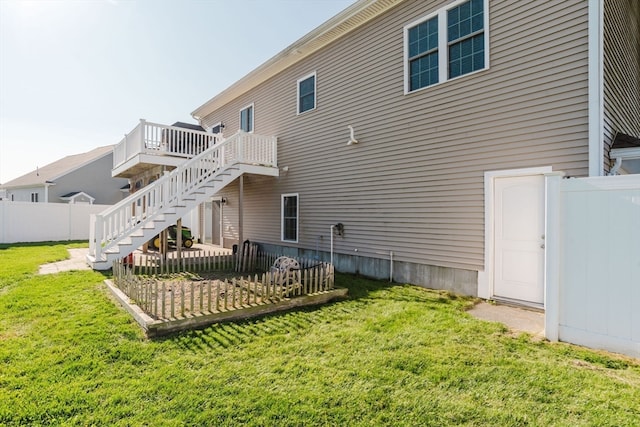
(85, 163)
(346, 21)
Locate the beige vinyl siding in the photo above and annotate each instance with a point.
(414, 184)
(621, 70)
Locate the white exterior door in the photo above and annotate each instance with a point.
(519, 238)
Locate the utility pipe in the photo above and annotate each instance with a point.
(616, 166)
(332, 226)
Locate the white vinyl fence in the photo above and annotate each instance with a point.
(593, 262)
(39, 222)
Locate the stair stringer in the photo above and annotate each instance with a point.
(151, 226)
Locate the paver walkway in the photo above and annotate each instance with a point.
(77, 261)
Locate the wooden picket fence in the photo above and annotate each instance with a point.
(176, 294)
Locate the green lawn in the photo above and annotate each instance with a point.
(390, 355)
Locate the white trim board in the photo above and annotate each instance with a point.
(596, 88)
(485, 278)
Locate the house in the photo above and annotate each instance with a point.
(79, 178)
(403, 139)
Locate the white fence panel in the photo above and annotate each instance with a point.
(39, 222)
(598, 286)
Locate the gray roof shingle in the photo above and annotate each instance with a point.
(52, 171)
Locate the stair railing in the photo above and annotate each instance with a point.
(130, 214)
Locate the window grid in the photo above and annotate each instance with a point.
(446, 44)
(246, 119)
(423, 54)
(465, 26)
(307, 94)
(290, 217)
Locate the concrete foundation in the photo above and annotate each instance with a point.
(458, 281)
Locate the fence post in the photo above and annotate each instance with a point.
(552, 254)
(98, 230)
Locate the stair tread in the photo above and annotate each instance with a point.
(161, 215)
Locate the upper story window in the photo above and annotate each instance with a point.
(446, 44)
(289, 219)
(307, 93)
(423, 54)
(465, 29)
(246, 118)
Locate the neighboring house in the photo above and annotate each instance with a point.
(79, 178)
(625, 152)
(413, 139)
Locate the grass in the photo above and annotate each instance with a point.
(390, 355)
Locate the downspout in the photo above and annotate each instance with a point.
(616, 166)
(332, 243)
(47, 184)
(241, 211)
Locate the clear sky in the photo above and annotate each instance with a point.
(79, 74)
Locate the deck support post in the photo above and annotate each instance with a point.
(179, 240)
(241, 212)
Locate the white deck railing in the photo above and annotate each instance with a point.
(119, 221)
(156, 139)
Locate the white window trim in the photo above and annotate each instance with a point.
(253, 116)
(443, 52)
(210, 128)
(282, 197)
(315, 92)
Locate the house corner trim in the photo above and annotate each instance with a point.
(596, 88)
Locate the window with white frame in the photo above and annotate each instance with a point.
(246, 118)
(307, 93)
(289, 222)
(451, 42)
(217, 128)
(34, 197)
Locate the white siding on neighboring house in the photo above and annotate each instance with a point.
(94, 179)
(621, 70)
(88, 172)
(414, 183)
(26, 194)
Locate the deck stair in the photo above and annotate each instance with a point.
(124, 227)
